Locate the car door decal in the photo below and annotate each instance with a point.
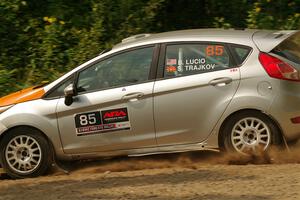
(102, 121)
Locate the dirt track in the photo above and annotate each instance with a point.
(201, 175)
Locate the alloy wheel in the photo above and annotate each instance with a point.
(23, 154)
(250, 135)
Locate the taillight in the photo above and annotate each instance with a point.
(296, 120)
(277, 68)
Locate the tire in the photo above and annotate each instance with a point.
(25, 153)
(250, 132)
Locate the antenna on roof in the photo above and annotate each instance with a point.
(134, 37)
(104, 51)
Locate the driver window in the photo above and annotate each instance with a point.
(123, 69)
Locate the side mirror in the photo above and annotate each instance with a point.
(69, 93)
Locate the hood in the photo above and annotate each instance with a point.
(28, 94)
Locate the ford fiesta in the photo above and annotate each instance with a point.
(236, 90)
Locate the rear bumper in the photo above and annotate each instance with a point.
(286, 105)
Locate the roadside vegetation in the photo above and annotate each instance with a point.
(42, 39)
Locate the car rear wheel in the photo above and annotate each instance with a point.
(25, 152)
(250, 133)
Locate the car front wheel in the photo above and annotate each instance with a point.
(25, 152)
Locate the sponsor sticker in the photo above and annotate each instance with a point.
(115, 115)
(102, 121)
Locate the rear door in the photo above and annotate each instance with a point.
(197, 82)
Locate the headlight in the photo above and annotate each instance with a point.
(4, 108)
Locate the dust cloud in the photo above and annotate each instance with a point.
(192, 160)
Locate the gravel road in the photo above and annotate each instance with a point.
(202, 175)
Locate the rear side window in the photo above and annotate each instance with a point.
(189, 59)
(289, 49)
(241, 53)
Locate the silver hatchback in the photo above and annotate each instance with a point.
(234, 90)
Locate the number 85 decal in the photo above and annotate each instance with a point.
(87, 119)
(214, 50)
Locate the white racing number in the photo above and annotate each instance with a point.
(89, 119)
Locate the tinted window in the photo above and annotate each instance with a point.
(241, 53)
(290, 48)
(191, 59)
(123, 69)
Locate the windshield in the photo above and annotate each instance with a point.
(289, 48)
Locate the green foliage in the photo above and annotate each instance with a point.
(42, 39)
(271, 14)
(6, 79)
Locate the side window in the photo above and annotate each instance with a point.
(59, 91)
(241, 52)
(122, 69)
(189, 59)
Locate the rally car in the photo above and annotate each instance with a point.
(232, 90)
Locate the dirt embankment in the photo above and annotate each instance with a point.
(199, 175)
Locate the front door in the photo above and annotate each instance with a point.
(114, 106)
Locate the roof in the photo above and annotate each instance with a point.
(189, 35)
(265, 40)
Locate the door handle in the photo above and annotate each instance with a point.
(133, 96)
(220, 81)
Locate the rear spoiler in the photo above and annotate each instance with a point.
(268, 40)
